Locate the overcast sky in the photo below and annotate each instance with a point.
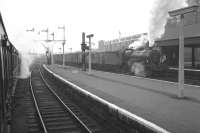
(103, 18)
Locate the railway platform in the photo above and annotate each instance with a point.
(153, 100)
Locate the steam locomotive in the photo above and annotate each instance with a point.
(145, 62)
(141, 61)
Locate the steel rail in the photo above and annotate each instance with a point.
(37, 108)
(66, 107)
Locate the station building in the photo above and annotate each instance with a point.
(169, 42)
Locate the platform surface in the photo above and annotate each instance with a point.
(155, 101)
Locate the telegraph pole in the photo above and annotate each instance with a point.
(47, 31)
(31, 30)
(63, 43)
(90, 61)
(83, 47)
(52, 60)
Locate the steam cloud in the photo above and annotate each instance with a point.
(140, 43)
(159, 16)
(26, 61)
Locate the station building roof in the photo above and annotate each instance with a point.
(2, 27)
(191, 31)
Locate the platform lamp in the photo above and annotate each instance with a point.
(31, 30)
(90, 49)
(63, 43)
(83, 48)
(180, 13)
(47, 40)
(52, 60)
(47, 31)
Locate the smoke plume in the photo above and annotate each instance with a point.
(26, 61)
(140, 43)
(159, 16)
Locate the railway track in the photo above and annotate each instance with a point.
(56, 115)
(33, 121)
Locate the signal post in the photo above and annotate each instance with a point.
(90, 49)
(83, 48)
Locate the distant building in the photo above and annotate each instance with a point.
(117, 44)
(101, 45)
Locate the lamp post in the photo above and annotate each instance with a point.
(83, 47)
(31, 30)
(70, 50)
(47, 31)
(90, 61)
(180, 13)
(48, 50)
(60, 50)
(63, 43)
(52, 60)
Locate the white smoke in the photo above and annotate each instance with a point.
(26, 61)
(140, 43)
(159, 16)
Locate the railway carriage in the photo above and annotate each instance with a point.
(9, 60)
